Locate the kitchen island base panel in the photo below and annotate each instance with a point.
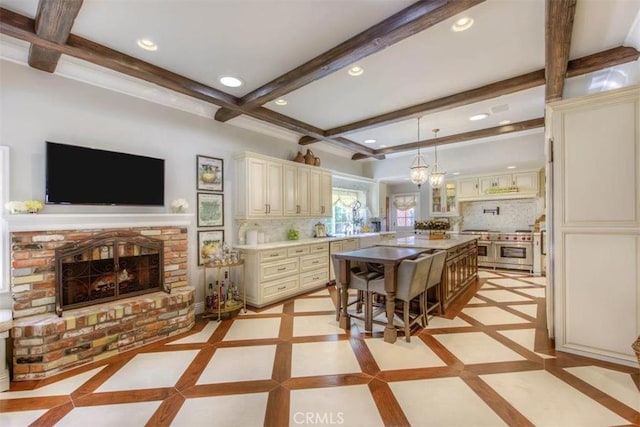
(461, 265)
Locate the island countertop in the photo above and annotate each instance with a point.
(443, 244)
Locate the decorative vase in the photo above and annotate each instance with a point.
(299, 158)
(309, 158)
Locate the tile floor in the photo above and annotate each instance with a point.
(486, 363)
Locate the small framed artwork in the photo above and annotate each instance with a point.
(210, 210)
(210, 173)
(209, 242)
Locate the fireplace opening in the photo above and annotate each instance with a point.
(107, 267)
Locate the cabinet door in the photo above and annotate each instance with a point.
(275, 201)
(315, 183)
(303, 191)
(485, 183)
(468, 187)
(290, 190)
(257, 187)
(503, 180)
(436, 201)
(495, 181)
(450, 201)
(526, 181)
(326, 184)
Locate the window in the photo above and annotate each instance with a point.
(344, 201)
(405, 210)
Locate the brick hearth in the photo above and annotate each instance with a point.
(45, 344)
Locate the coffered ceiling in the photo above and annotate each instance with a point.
(516, 54)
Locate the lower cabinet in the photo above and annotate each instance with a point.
(276, 274)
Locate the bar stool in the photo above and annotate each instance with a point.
(359, 280)
(435, 277)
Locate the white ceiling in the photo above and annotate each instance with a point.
(259, 40)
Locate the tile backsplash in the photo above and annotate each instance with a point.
(514, 214)
(275, 230)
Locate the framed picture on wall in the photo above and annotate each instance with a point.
(210, 173)
(210, 210)
(209, 242)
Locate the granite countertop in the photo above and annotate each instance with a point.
(310, 241)
(453, 241)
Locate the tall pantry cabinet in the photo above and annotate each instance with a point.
(594, 171)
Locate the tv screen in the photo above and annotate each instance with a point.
(87, 176)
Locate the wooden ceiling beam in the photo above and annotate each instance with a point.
(23, 28)
(558, 29)
(461, 137)
(601, 60)
(406, 23)
(53, 22)
(576, 67)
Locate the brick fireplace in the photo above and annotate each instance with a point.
(44, 344)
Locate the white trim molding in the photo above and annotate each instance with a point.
(39, 222)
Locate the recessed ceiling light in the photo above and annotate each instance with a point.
(369, 141)
(511, 167)
(356, 71)
(230, 81)
(455, 173)
(504, 122)
(479, 117)
(462, 24)
(147, 44)
(281, 102)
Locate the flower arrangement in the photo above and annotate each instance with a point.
(432, 224)
(179, 205)
(28, 206)
(33, 206)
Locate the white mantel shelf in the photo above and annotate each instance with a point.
(39, 222)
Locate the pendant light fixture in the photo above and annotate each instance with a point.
(418, 170)
(436, 179)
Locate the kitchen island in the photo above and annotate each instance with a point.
(461, 265)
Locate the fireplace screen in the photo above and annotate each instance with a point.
(107, 267)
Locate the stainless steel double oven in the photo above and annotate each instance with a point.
(513, 250)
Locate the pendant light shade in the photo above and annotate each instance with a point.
(418, 171)
(436, 179)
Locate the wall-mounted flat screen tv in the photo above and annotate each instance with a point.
(88, 176)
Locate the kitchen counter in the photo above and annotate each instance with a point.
(310, 241)
(441, 244)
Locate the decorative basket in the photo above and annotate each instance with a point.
(636, 348)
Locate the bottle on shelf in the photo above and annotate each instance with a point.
(209, 299)
(214, 299)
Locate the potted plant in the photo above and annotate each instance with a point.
(435, 228)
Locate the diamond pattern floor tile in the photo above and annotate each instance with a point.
(239, 364)
(323, 358)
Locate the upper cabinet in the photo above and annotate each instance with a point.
(262, 180)
(272, 188)
(320, 193)
(499, 186)
(444, 200)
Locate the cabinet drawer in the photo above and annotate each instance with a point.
(274, 290)
(319, 247)
(335, 247)
(350, 244)
(273, 255)
(274, 270)
(297, 251)
(314, 278)
(314, 262)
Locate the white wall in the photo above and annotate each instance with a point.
(36, 107)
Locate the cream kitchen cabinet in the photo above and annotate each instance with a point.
(494, 181)
(527, 182)
(272, 275)
(296, 191)
(262, 181)
(341, 246)
(444, 200)
(280, 188)
(484, 187)
(320, 188)
(468, 187)
(594, 224)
